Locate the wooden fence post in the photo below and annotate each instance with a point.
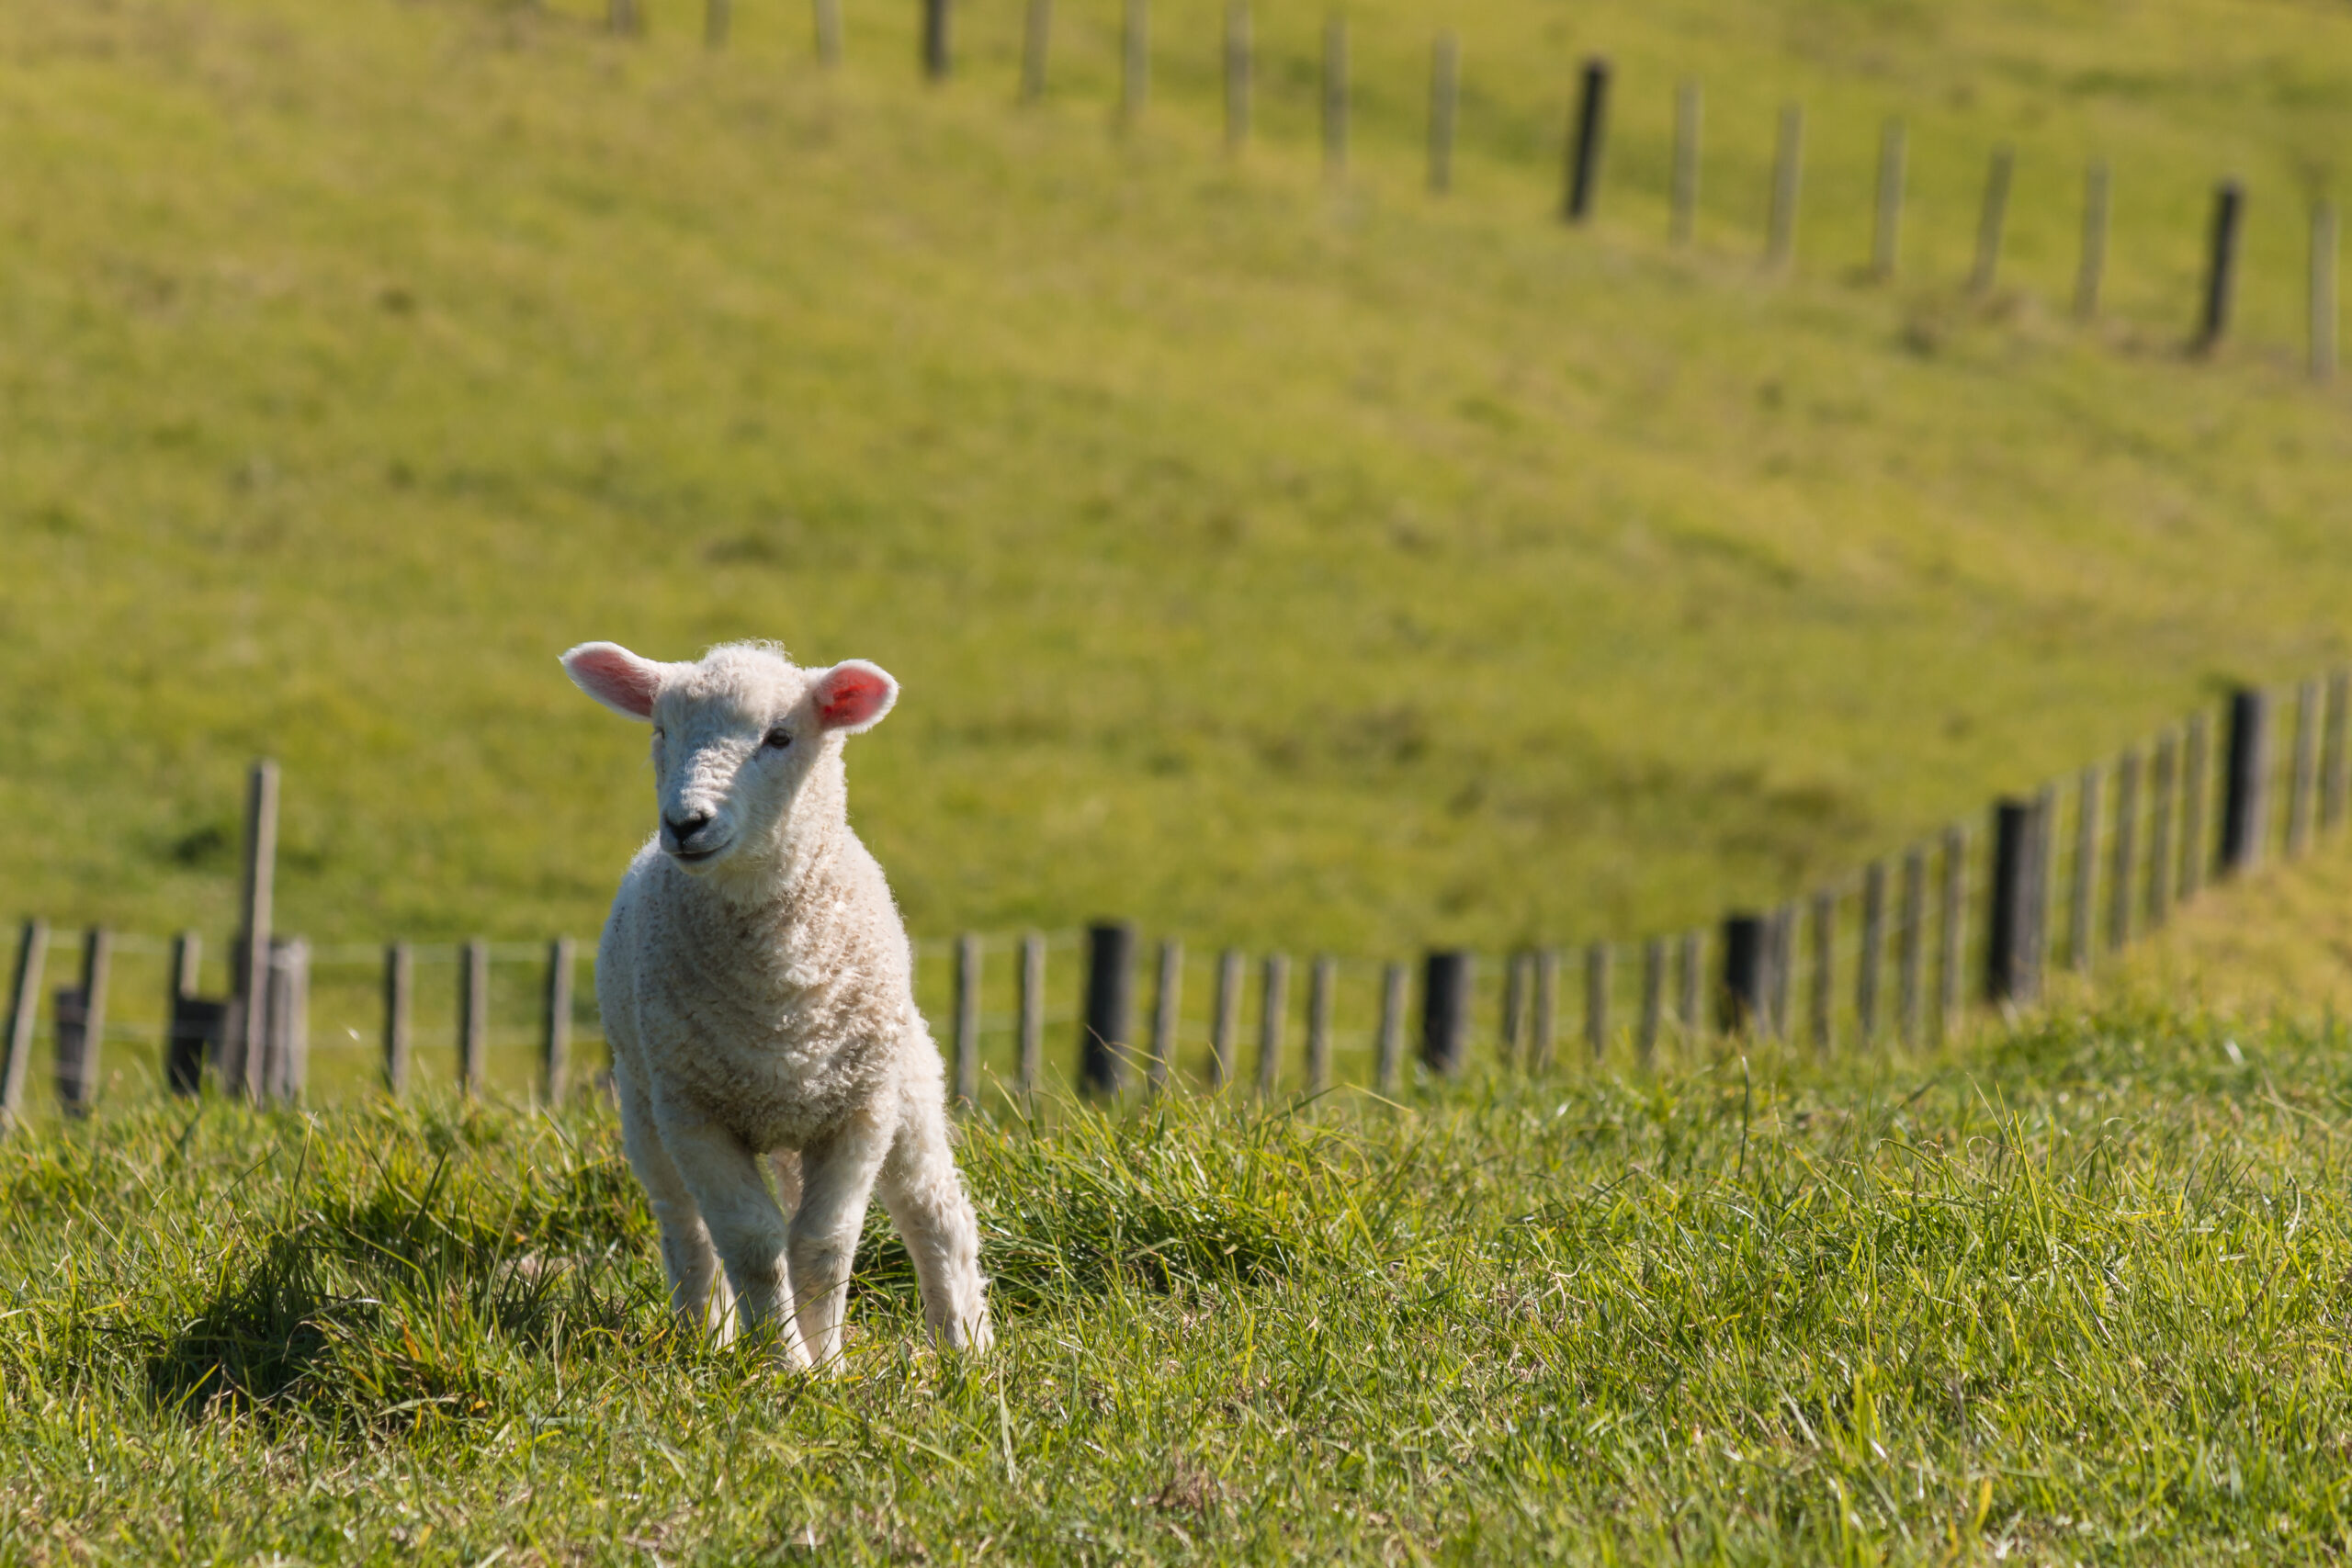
(1690, 123)
(2302, 779)
(620, 18)
(967, 1019)
(1445, 86)
(1951, 931)
(184, 1038)
(1335, 95)
(2006, 975)
(473, 1016)
(1236, 77)
(1690, 980)
(1584, 148)
(1320, 980)
(255, 914)
(1273, 1013)
(24, 1008)
(2160, 811)
(2083, 896)
(1991, 220)
(1886, 242)
(1780, 967)
(289, 1019)
(1031, 1065)
(2322, 291)
(935, 58)
(2196, 792)
(2043, 866)
(2221, 269)
(1547, 1010)
(399, 980)
(1742, 1003)
(2093, 268)
(2246, 800)
(1391, 1048)
(1134, 55)
(1036, 40)
(1516, 984)
(828, 32)
(555, 1042)
(1167, 1014)
(1110, 1006)
(1911, 945)
(2332, 778)
(1825, 982)
(1446, 1010)
(2124, 851)
(717, 22)
(1225, 1023)
(1595, 998)
(81, 1024)
(1653, 1003)
(1868, 962)
(1788, 163)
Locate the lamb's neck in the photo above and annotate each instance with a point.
(805, 859)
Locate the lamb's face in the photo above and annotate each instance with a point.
(735, 737)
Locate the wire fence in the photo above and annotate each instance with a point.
(1766, 182)
(1966, 923)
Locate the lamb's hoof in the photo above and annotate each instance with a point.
(970, 1337)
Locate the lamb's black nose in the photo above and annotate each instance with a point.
(684, 828)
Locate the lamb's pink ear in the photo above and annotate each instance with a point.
(853, 695)
(615, 677)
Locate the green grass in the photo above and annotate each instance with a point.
(1264, 561)
(2076, 1293)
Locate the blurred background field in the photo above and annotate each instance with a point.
(1266, 558)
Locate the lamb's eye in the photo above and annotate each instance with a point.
(778, 739)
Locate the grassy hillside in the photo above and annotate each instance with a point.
(2080, 1294)
(1263, 558)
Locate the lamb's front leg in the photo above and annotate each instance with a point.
(836, 1180)
(745, 1226)
(698, 1295)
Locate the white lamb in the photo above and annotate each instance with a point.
(757, 992)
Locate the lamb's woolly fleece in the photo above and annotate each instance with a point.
(757, 991)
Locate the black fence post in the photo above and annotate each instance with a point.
(1593, 122)
(1740, 1007)
(2007, 975)
(81, 1025)
(2244, 801)
(1110, 1005)
(1446, 1010)
(2220, 276)
(934, 39)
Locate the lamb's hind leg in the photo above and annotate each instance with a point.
(925, 1198)
(699, 1295)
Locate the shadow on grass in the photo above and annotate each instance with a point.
(389, 1308)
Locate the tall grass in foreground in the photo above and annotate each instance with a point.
(2081, 1293)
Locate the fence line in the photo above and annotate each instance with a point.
(1231, 66)
(1892, 952)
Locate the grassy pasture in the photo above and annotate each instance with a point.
(2074, 1293)
(1268, 561)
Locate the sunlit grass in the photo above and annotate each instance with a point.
(2077, 1291)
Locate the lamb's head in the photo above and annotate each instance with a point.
(738, 736)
